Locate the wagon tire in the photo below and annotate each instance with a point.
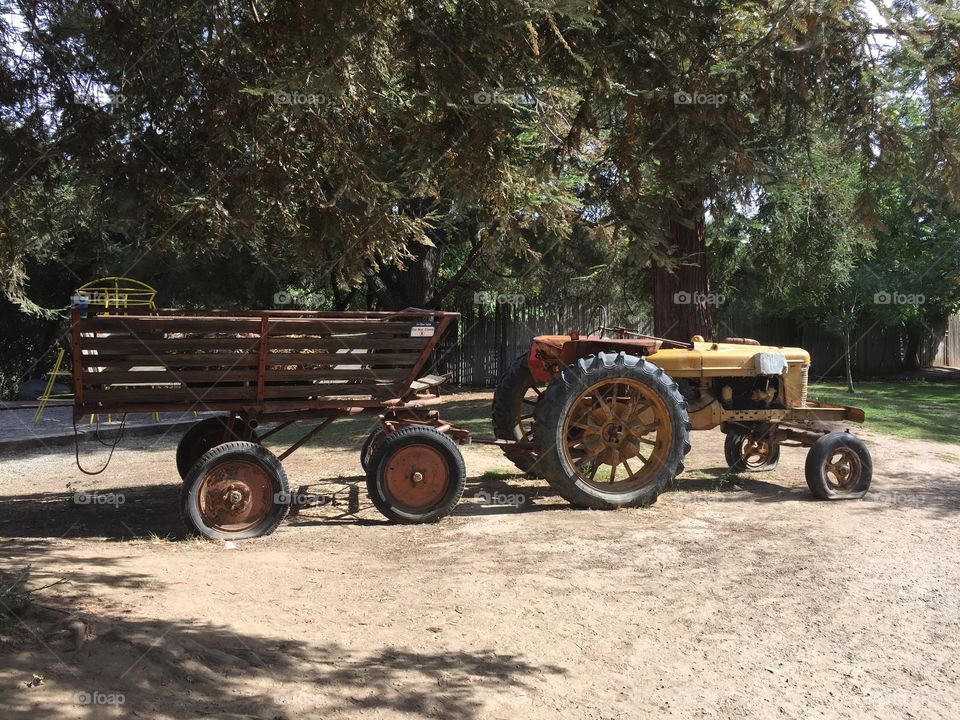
(601, 412)
(758, 456)
(839, 467)
(416, 475)
(370, 446)
(237, 490)
(206, 435)
(508, 414)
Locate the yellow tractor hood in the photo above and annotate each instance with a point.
(728, 359)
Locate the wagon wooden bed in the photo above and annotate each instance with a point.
(276, 368)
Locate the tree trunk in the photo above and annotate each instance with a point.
(682, 303)
(847, 363)
(911, 358)
(414, 285)
(410, 287)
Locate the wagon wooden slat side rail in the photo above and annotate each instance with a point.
(251, 362)
(277, 367)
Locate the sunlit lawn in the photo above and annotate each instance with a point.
(912, 409)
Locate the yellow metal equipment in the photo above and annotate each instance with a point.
(106, 292)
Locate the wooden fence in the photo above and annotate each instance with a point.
(488, 339)
(947, 350)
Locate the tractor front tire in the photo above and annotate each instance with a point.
(839, 467)
(745, 453)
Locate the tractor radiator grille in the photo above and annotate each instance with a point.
(803, 388)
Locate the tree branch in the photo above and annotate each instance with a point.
(472, 257)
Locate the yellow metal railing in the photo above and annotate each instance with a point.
(113, 291)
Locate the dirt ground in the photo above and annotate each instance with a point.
(742, 599)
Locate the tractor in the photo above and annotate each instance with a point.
(606, 418)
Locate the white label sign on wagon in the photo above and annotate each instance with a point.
(423, 330)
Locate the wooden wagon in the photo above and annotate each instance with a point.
(276, 368)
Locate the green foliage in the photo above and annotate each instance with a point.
(918, 234)
(841, 222)
(225, 153)
(810, 238)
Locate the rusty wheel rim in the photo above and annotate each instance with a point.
(617, 435)
(416, 478)
(235, 496)
(843, 469)
(754, 453)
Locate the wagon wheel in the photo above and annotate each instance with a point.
(745, 452)
(206, 435)
(370, 446)
(236, 490)
(416, 475)
(839, 467)
(514, 407)
(614, 429)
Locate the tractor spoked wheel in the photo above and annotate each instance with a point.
(514, 406)
(746, 453)
(613, 431)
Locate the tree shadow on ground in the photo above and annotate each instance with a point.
(731, 487)
(145, 511)
(203, 669)
(927, 491)
(152, 511)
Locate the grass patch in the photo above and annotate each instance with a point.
(497, 474)
(905, 408)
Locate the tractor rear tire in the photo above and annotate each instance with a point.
(513, 414)
(601, 412)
